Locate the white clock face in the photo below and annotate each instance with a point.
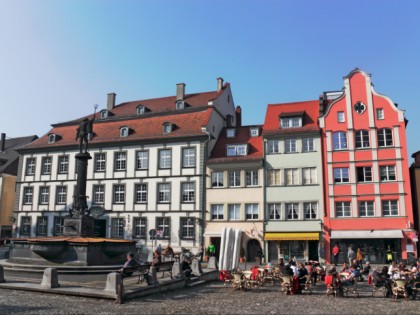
(359, 107)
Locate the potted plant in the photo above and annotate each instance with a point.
(207, 254)
(242, 255)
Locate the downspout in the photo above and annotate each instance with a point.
(204, 202)
(265, 245)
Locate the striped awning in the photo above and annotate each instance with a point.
(302, 236)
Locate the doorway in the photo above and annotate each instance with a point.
(216, 242)
(313, 250)
(99, 228)
(253, 247)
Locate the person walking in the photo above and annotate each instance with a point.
(359, 258)
(212, 249)
(335, 252)
(351, 255)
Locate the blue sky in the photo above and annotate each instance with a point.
(58, 58)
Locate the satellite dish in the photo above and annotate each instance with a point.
(97, 211)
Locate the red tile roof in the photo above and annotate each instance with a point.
(310, 110)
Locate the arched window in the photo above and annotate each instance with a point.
(339, 140)
(141, 110)
(167, 127)
(51, 138)
(124, 131)
(180, 105)
(104, 114)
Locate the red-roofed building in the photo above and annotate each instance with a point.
(147, 172)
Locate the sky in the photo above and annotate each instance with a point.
(58, 58)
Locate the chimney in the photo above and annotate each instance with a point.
(3, 141)
(238, 116)
(111, 101)
(219, 84)
(180, 91)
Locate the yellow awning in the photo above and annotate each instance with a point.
(303, 236)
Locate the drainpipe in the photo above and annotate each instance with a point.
(202, 213)
(265, 246)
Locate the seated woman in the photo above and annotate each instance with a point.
(186, 269)
(168, 251)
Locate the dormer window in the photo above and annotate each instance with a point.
(52, 138)
(254, 131)
(180, 105)
(291, 120)
(104, 114)
(167, 128)
(124, 132)
(237, 149)
(141, 110)
(230, 133)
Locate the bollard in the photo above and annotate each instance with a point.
(212, 263)
(152, 276)
(50, 278)
(114, 283)
(177, 270)
(2, 275)
(196, 267)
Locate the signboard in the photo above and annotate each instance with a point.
(152, 233)
(409, 248)
(97, 211)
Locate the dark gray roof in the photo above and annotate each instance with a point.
(9, 158)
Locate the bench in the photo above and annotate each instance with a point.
(142, 271)
(165, 267)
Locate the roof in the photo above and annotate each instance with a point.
(242, 136)
(308, 109)
(9, 158)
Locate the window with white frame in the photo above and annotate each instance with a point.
(188, 192)
(98, 194)
(52, 138)
(251, 211)
(61, 197)
(387, 173)
(340, 117)
(163, 226)
(187, 228)
(140, 227)
(236, 149)
(167, 128)
(251, 178)
(339, 140)
(292, 176)
(273, 146)
(58, 227)
(385, 137)
(119, 193)
(165, 158)
(25, 226)
(188, 157)
(100, 162)
(308, 144)
(63, 164)
(389, 208)
(234, 211)
(290, 146)
(140, 193)
(234, 178)
(311, 210)
(28, 195)
(104, 114)
(341, 175)
(46, 165)
(292, 211)
(120, 161)
(254, 131)
(217, 179)
(274, 177)
(30, 166)
(117, 227)
(364, 174)
(291, 122)
(44, 195)
(217, 212)
(380, 113)
(124, 131)
(42, 226)
(342, 209)
(141, 110)
(362, 139)
(366, 209)
(230, 133)
(274, 210)
(142, 160)
(180, 105)
(164, 193)
(309, 175)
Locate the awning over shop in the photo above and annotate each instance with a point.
(212, 234)
(352, 234)
(303, 236)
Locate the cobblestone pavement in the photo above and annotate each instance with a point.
(209, 299)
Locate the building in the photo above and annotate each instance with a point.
(294, 183)
(147, 172)
(415, 191)
(367, 188)
(9, 161)
(235, 187)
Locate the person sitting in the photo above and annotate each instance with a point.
(349, 280)
(365, 271)
(130, 263)
(168, 252)
(302, 272)
(186, 268)
(345, 268)
(157, 259)
(287, 271)
(292, 265)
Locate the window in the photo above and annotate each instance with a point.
(104, 114)
(187, 228)
(100, 162)
(340, 117)
(117, 227)
(141, 110)
(163, 226)
(274, 211)
(292, 211)
(234, 178)
(217, 179)
(380, 113)
(292, 177)
(61, 197)
(142, 160)
(30, 166)
(46, 165)
(164, 192)
(387, 173)
(273, 146)
(230, 133)
(51, 138)
(341, 175)
(389, 208)
(188, 157)
(165, 158)
(251, 211)
(364, 174)
(167, 128)
(119, 193)
(44, 195)
(308, 145)
(63, 164)
(251, 178)
(362, 139)
(28, 194)
(42, 226)
(274, 177)
(180, 105)
(254, 132)
(290, 146)
(120, 161)
(141, 193)
(342, 209)
(188, 192)
(124, 131)
(234, 211)
(339, 140)
(58, 227)
(311, 210)
(98, 194)
(140, 228)
(217, 212)
(385, 137)
(309, 175)
(366, 209)
(291, 122)
(25, 226)
(237, 150)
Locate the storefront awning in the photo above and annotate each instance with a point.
(352, 234)
(212, 234)
(304, 236)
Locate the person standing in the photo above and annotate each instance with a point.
(359, 258)
(351, 255)
(335, 252)
(212, 249)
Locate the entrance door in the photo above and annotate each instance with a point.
(216, 242)
(252, 249)
(313, 250)
(99, 228)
